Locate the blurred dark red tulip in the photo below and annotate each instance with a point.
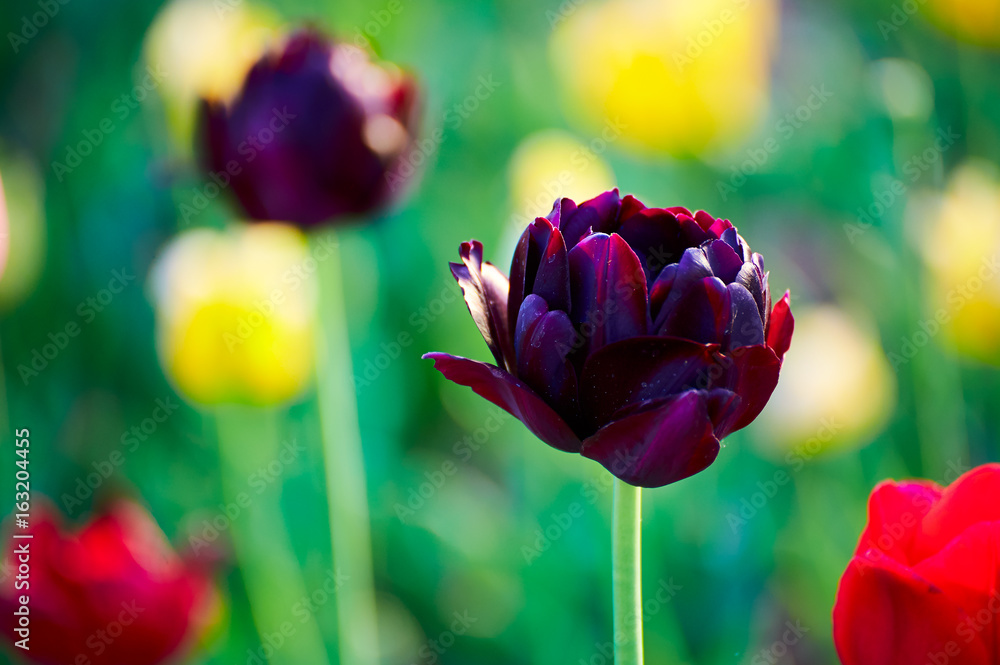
(112, 593)
(636, 336)
(923, 587)
(317, 132)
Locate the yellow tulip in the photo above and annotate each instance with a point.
(837, 388)
(236, 314)
(975, 21)
(204, 50)
(961, 245)
(679, 77)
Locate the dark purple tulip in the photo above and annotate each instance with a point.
(638, 337)
(317, 132)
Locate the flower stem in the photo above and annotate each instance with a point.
(248, 440)
(347, 492)
(626, 575)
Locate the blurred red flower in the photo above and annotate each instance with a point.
(112, 593)
(924, 584)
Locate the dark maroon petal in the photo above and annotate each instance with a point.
(609, 290)
(658, 446)
(747, 328)
(544, 364)
(732, 238)
(781, 325)
(655, 237)
(485, 289)
(693, 234)
(725, 262)
(524, 264)
(703, 312)
(680, 210)
(753, 376)
(751, 280)
(720, 227)
(630, 206)
(598, 215)
(532, 310)
(723, 409)
(660, 289)
(692, 268)
(511, 394)
(641, 369)
(705, 220)
(552, 280)
(561, 208)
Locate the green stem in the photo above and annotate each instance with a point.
(249, 439)
(347, 492)
(626, 575)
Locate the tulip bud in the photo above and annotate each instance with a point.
(236, 314)
(317, 132)
(638, 337)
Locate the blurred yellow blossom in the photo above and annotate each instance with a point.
(837, 388)
(960, 232)
(204, 49)
(975, 21)
(552, 164)
(24, 231)
(236, 314)
(680, 77)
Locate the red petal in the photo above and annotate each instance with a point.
(780, 326)
(973, 498)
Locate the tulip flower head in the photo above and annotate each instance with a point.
(112, 593)
(236, 314)
(924, 583)
(316, 132)
(638, 337)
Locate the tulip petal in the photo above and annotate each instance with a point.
(524, 264)
(692, 268)
(725, 262)
(562, 208)
(630, 206)
(660, 289)
(655, 237)
(750, 278)
(780, 326)
(973, 498)
(599, 214)
(886, 614)
(510, 394)
(531, 312)
(753, 376)
(702, 313)
(552, 279)
(608, 290)
(746, 328)
(485, 290)
(660, 445)
(967, 570)
(641, 369)
(895, 511)
(544, 364)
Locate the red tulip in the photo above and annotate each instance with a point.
(924, 585)
(112, 593)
